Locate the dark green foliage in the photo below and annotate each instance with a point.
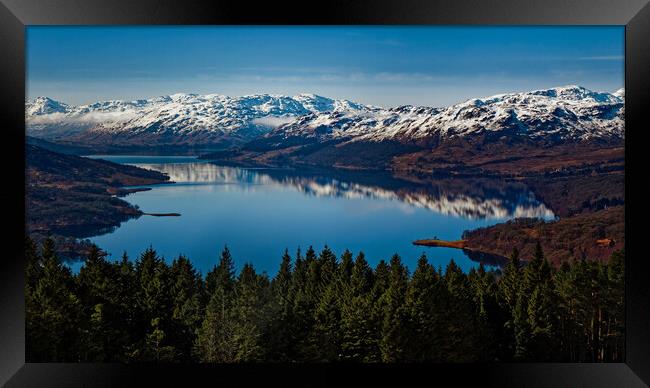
(327, 334)
(214, 342)
(222, 277)
(99, 291)
(320, 309)
(279, 331)
(359, 339)
(426, 324)
(153, 286)
(53, 310)
(460, 329)
(488, 315)
(248, 315)
(537, 322)
(509, 288)
(154, 348)
(187, 305)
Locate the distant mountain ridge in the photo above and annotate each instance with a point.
(556, 114)
(172, 120)
(564, 113)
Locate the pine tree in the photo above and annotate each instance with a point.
(187, 309)
(538, 271)
(99, 293)
(281, 283)
(509, 289)
(52, 312)
(489, 318)
(153, 291)
(424, 311)
(321, 310)
(615, 306)
(222, 276)
(127, 311)
(154, 348)
(279, 333)
(322, 276)
(328, 268)
(564, 290)
(310, 255)
(247, 315)
(541, 320)
(537, 300)
(215, 341)
(379, 287)
(359, 340)
(510, 283)
(345, 268)
(306, 300)
(394, 339)
(327, 331)
(522, 331)
(460, 336)
(302, 306)
(95, 279)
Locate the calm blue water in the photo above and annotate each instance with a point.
(260, 212)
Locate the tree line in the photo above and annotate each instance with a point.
(320, 308)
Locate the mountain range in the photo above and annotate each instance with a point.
(569, 113)
(177, 119)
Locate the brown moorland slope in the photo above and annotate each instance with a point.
(75, 196)
(594, 236)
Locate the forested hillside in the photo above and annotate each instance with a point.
(321, 308)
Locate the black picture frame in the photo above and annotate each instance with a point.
(16, 14)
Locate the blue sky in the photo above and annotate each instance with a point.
(385, 66)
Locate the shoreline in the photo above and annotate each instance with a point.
(473, 254)
(458, 244)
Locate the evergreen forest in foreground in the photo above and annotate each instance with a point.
(321, 308)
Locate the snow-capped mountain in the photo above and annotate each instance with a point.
(570, 112)
(44, 106)
(177, 118)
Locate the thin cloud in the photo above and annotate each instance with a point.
(604, 58)
(273, 121)
(87, 118)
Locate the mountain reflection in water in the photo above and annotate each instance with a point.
(467, 198)
(258, 213)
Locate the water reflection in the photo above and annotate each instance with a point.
(475, 199)
(259, 213)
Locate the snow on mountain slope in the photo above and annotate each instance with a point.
(620, 93)
(570, 112)
(43, 106)
(182, 114)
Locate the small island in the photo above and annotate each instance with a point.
(458, 244)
